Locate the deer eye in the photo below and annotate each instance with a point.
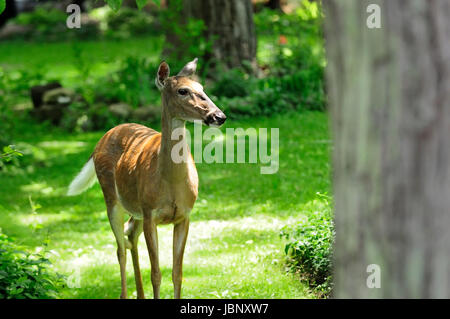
(183, 91)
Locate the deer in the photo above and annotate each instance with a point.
(139, 177)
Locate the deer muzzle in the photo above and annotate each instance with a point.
(215, 119)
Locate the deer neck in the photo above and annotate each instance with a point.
(171, 171)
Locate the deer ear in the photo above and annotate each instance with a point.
(162, 75)
(189, 69)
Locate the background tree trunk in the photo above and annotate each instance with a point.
(390, 104)
(9, 12)
(230, 27)
(273, 4)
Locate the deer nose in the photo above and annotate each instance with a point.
(220, 118)
(217, 118)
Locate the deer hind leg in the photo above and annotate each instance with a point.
(180, 233)
(151, 238)
(133, 229)
(115, 216)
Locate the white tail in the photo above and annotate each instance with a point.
(84, 180)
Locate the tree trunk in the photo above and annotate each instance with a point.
(230, 28)
(9, 12)
(274, 5)
(390, 106)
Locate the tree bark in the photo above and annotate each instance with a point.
(9, 12)
(230, 28)
(273, 4)
(389, 98)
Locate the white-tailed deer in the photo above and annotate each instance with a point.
(138, 176)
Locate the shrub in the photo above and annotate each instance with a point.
(231, 84)
(130, 22)
(309, 250)
(48, 23)
(265, 101)
(9, 155)
(45, 23)
(132, 83)
(24, 275)
(18, 82)
(14, 88)
(295, 57)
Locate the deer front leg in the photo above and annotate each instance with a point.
(115, 216)
(180, 233)
(133, 228)
(151, 238)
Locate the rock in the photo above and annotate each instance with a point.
(37, 92)
(50, 101)
(59, 96)
(120, 110)
(48, 112)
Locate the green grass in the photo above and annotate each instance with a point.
(233, 250)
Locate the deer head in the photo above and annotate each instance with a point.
(184, 98)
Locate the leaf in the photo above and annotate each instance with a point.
(2, 5)
(141, 3)
(114, 4)
(157, 2)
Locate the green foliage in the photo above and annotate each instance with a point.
(19, 81)
(9, 153)
(136, 81)
(129, 22)
(187, 40)
(231, 84)
(132, 83)
(14, 86)
(9, 156)
(42, 18)
(24, 275)
(141, 3)
(243, 96)
(292, 52)
(266, 102)
(2, 5)
(5, 115)
(114, 4)
(309, 249)
(45, 23)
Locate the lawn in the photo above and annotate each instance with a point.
(233, 250)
